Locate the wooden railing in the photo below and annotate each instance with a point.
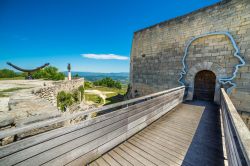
(81, 143)
(237, 135)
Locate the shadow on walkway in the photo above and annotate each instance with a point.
(206, 147)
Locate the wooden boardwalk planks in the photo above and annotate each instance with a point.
(164, 142)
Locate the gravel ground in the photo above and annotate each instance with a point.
(8, 84)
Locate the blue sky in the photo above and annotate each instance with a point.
(92, 35)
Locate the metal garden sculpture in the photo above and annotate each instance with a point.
(29, 71)
(223, 81)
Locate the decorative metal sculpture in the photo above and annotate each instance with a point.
(29, 71)
(69, 71)
(223, 81)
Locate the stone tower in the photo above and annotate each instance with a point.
(211, 44)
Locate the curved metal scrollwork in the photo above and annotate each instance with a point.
(29, 71)
(221, 80)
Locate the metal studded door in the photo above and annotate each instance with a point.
(204, 85)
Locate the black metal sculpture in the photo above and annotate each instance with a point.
(29, 71)
(69, 67)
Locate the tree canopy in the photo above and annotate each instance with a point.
(108, 82)
(50, 73)
(6, 73)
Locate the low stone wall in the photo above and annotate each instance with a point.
(50, 93)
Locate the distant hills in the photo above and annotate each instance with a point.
(123, 77)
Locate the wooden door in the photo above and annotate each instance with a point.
(204, 85)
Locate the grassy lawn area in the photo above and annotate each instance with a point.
(94, 98)
(14, 78)
(114, 97)
(107, 89)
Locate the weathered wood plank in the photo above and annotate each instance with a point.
(171, 146)
(77, 137)
(75, 144)
(137, 156)
(127, 156)
(110, 160)
(27, 128)
(87, 140)
(84, 160)
(119, 158)
(237, 135)
(154, 118)
(159, 147)
(23, 144)
(151, 120)
(94, 164)
(102, 162)
(168, 140)
(168, 156)
(174, 156)
(81, 150)
(64, 138)
(157, 155)
(144, 154)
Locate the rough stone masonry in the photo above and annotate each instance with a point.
(157, 51)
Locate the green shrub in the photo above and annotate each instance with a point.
(88, 84)
(108, 82)
(6, 73)
(64, 100)
(76, 96)
(76, 76)
(99, 100)
(81, 90)
(50, 73)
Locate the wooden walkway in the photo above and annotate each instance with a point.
(188, 135)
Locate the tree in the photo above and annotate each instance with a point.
(76, 76)
(108, 82)
(50, 73)
(6, 73)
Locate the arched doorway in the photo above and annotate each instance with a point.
(204, 85)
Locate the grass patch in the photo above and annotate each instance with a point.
(14, 78)
(3, 95)
(115, 90)
(111, 97)
(94, 98)
(12, 89)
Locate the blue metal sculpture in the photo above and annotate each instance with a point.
(221, 80)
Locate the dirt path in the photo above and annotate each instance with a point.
(102, 94)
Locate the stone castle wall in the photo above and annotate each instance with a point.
(157, 51)
(50, 93)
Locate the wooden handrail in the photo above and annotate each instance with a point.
(85, 141)
(22, 129)
(237, 135)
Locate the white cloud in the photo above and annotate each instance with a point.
(105, 56)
